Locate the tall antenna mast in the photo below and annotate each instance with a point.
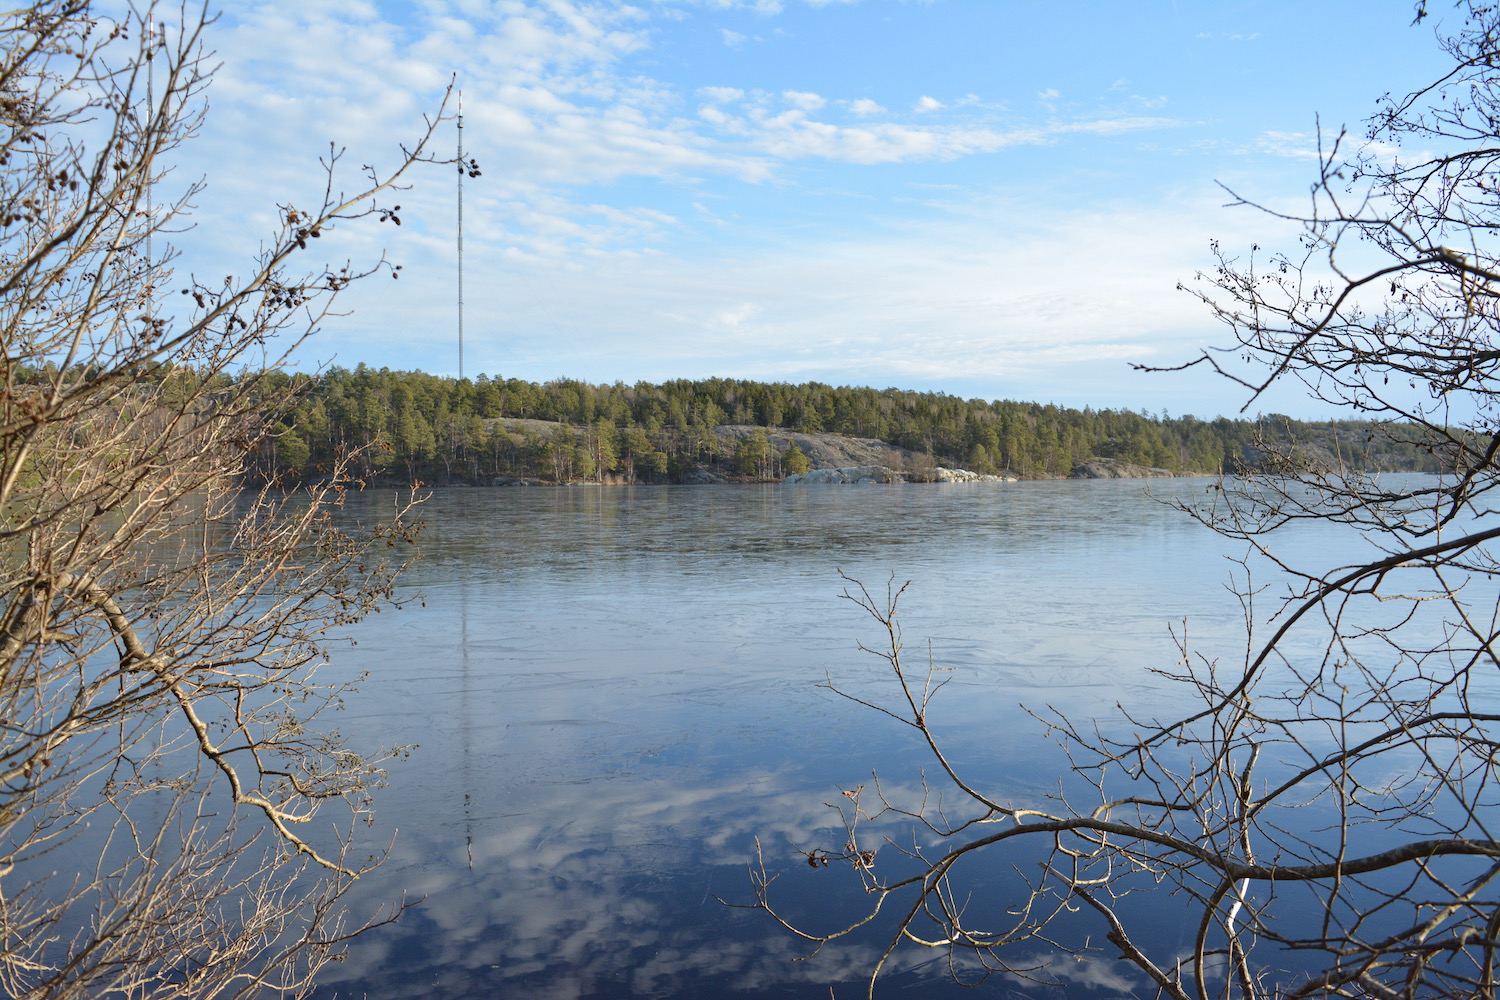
(150, 118)
(464, 645)
(461, 234)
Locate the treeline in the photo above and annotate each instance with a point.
(417, 426)
(414, 426)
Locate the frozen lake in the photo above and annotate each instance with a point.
(615, 694)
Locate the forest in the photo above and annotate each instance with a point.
(410, 426)
(418, 427)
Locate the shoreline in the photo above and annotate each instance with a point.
(847, 476)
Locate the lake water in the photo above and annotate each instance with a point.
(615, 694)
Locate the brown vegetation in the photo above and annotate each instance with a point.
(163, 751)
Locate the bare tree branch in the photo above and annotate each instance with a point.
(1321, 813)
(163, 751)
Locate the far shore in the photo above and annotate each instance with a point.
(843, 476)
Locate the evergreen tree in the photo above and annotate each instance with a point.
(751, 455)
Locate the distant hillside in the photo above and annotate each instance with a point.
(414, 426)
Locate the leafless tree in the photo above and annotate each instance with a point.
(177, 817)
(1324, 815)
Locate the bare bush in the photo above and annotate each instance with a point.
(166, 772)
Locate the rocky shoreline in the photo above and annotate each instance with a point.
(883, 474)
(834, 459)
(1098, 468)
(1109, 468)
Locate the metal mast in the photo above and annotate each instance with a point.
(465, 734)
(461, 234)
(150, 118)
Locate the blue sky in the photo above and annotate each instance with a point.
(993, 199)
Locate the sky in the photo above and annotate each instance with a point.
(986, 198)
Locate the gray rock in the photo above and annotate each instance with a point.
(1109, 468)
(848, 474)
(965, 476)
(824, 451)
(699, 476)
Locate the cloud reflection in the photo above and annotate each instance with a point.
(608, 886)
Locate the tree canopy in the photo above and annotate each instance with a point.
(414, 426)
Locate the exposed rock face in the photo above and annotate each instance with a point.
(848, 474)
(824, 451)
(833, 458)
(1109, 468)
(1291, 457)
(699, 476)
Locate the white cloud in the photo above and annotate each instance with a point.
(735, 317)
(733, 39)
(980, 289)
(720, 95)
(544, 97)
(803, 99)
(765, 8)
(707, 214)
(1296, 145)
(793, 134)
(1112, 126)
(791, 139)
(554, 109)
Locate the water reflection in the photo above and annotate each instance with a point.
(614, 693)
